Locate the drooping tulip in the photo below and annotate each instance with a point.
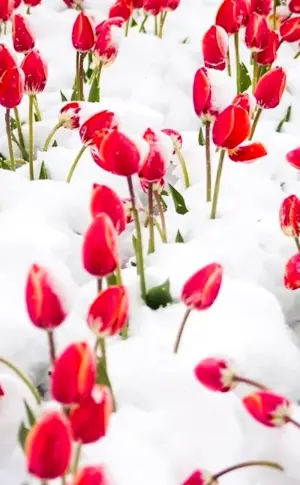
(268, 408)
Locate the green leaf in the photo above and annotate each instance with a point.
(135, 247)
(133, 23)
(30, 415)
(111, 279)
(159, 296)
(43, 172)
(179, 238)
(22, 434)
(178, 200)
(74, 96)
(201, 140)
(245, 80)
(63, 97)
(5, 165)
(285, 119)
(288, 114)
(94, 94)
(102, 376)
(185, 41)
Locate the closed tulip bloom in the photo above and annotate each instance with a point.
(215, 48)
(290, 30)
(232, 15)
(74, 374)
(231, 128)
(215, 374)
(11, 87)
(36, 72)
(175, 137)
(109, 312)
(154, 166)
(44, 306)
(289, 216)
(268, 408)
(292, 273)
(83, 33)
(100, 257)
(262, 7)
(246, 101)
(107, 45)
(256, 33)
(23, 38)
(202, 95)
(104, 199)
(7, 59)
(48, 447)
(32, 3)
(89, 420)
(270, 87)
(6, 10)
(200, 477)
(268, 54)
(69, 115)
(90, 475)
(121, 8)
(201, 290)
(294, 6)
(100, 122)
(293, 157)
(154, 7)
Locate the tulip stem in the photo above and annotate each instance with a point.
(208, 161)
(297, 242)
(99, 284)
(228, 62)
(51, 135)
(31, 137)
(139, 242)
(292, 421)
(155, 25)
(164, 236)
(36, 108)
(76, 457)
(163, 16)
(184, 167)
(237, 61)
(9, 139)
(51, 345)
(181, 329)
(20, 133)
(94, 94)
(26, 381)
(74, 164)
(274, 14)
(102, 345)
(255, 121)
(127, 27)
(142, 27)
(264, 463)
(250, 382)
(151, 244)
(255, 73)
(217, 184)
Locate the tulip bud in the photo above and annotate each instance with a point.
(256, 33)
(6, 10)
(245, 101)
(154, 166)
(44, 306)
(171, 5)
(100, 122)
(270, 87)
(108, 314)
(23, 38)
(262, 7)
(69, 115)
(292, 273)
(89, 420)
(100, 257)
(7, 59)
(32, 3)
(175, 137)
(90, 475)
(200, 477)
(36, 72)
(268, 54)
(17, 3)
(289, 216)
(154, 7)
(201, 290)
(215, 48)
(11, 87)
(232, 15)
(231, 128)
(202, 95)
(107, 45)
(48, 435)
(83, 34)
(121, 8)
(216, 375)
(290, 30)
(293, 157)
(104, 199)
(294, 6)
(267, 408)
(74, 374)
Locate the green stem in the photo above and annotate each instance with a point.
(181, 329)
(250, 382)
(264, 463)
(51, 345)
(151, 244)
(31, 137)
(80, 76)
(94, 94)
(208, 161)
(142, 27)
(155, 25)
(127, 27)
(237, 61)
(76, 457)
(297, 55)
(26, 381)
(50, 136)
(217, 185)
(255, 72)
(5, 28)
(36, 108)
(74, 164)
(28, 10)
(20, 133)
(102, 345)
(183, 167)
(293, 421)
(162, 20)
(274, 14)
(118, 275)
(99, 285)
(296, 238)
(162, 216)
(228, 62)
(139, 249)
(255, 121)
(160, 231)
(9, 139)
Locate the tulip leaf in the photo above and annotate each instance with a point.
(159, 296)
(30, 414)
(285, 119)
(74, 96)
(201, 140)
(133, 23)
(63, 97)
(5, 165)
(94, 94)
(102, 376)
(245, 79)
(178, 200)
(22, 434)
(179, 238)
(111, 279)
(43, 172)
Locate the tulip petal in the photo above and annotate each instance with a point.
(248, 153)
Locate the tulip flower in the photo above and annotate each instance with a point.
(177, 145)
(289, 218)
(215, 48)
(123, 9)
(68, 117)
(104, 199)
(90, 475)
(245, 101)
(83, 40)
(262, 7)
(292, 273)
(199, 293)
(293, 157)
(294, 6)
(6, 10)
(268, 408)
(268, 55)
(256, 32)
(23, 38)
(7, 59)
(17, 3)
(290, 30)
(32, 3)
(48, 435)
(74, 374)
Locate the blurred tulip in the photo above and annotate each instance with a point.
(294, 6)
(104, 199)
(154, 7)
(245, 101)
(36, 72)
(289, 216)
(83, 33)
(256, 33)
(23, 38)
(157, 186)
(7, 59)
(121, 8)
(268, 408)
(215, 374)
(32, 3)
(292, 273)
(290, 30)
(293, 157)
(270, 87)
(232, 15)
(248, 153)
(215, 48)
(17, 3)
(11, 87)
(268, 54)
(6, 10)
(262, 7)
(90, 475)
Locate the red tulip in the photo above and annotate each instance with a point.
(32, 3)
(104, 199)
(69, 115)
(83, 34)
(73, 3)
(100, 122)
(36, 72)
(215, 48)
(262, 7)
(44, 306)
(202, 95)
(90, 475)
(292, 273)
(248, 153)
(289, 216)
(11, 87)
(106, 46)
(154, 7)
(6, 10)
(215, 374)
(231, 128)
(294, 6)
(270, 87)
(257, 32)
(74, 374)
(100, 256)
(138, 4)
(117, 154)
(108, 314)
(201, 290)
(245, 101)
(290, 30)
(156, 186)
(232, 15)
(2, 392)
(293, 157)
(200, 477)
(48, 446)
(121, 8)
(7, 59)
(267, 408)
(17, 3)
(171, 5)
(154, 166)
(175, 137)
(23, 38)
(268, 55)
